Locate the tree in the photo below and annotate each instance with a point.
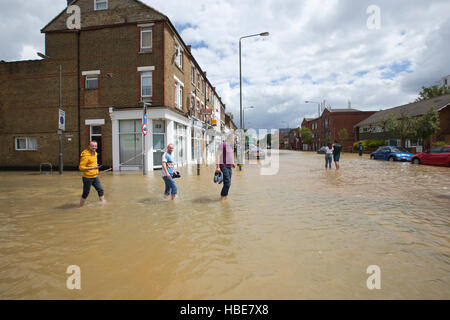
(403, 128)
(432, 92)
(306, 135)
(343, 134)
(427, 124)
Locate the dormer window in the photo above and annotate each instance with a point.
(101, 4)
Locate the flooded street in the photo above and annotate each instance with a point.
(304, 233)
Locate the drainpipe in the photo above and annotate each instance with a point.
(79, 92)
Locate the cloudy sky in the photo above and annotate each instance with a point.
(317, 50)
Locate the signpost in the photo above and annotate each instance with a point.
(144, 132)
(61, 128)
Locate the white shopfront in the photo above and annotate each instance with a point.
(166, 126)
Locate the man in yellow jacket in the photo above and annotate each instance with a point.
(89, 167)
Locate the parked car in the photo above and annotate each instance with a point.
(439, 156)
(391, 153)
(321, 150)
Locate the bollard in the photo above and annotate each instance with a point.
(198, 167)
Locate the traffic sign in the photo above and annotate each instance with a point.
(144, 129)
(62, 120)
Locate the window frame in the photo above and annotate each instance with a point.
(146, 30)
(178, 57)
(90, 78)
(178, 86)
(146, 74)
(97, 2)
(27, 144)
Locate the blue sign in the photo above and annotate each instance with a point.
(145, 118)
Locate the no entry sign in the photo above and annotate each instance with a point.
(144, 129)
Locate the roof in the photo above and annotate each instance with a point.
(127, 11)
(412, 109)
(344, 110)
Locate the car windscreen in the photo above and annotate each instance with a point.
(399, 149)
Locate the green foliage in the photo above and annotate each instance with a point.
(343, 134)
(432, 92)
(439, 143)
(376, 143)
(369, 144)
(306, 135)
(403, 128)
(427, 124)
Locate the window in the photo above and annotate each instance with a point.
(193, 104)
(178, 94)
(193, 75)
(101, 4)
(146, 84)
(445, 150)
(130, 142)
(26, 144)
(198, 80)
(146, 39)
(178, 56)
(92, 82)
(180, 143)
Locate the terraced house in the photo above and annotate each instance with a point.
(125, 53)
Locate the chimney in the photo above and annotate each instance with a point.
(205, 73)
(349, 104)
(69, 2)
(189, 48)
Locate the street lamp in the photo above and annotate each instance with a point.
(263, 34)
(43, 56)
(243, 113)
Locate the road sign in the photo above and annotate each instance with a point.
(206, 111)
(62, 120)
(214, 123)
(144, 129)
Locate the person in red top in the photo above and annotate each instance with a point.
(225, 164)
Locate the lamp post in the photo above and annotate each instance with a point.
(318, 105)
(263, 34)
(243, 114)
(43, 56)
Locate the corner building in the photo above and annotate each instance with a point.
(126, 53)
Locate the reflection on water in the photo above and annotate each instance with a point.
(303, 233)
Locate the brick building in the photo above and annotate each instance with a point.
(125, 53)
(326, 128)
(372, 127)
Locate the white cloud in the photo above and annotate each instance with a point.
(314, 52)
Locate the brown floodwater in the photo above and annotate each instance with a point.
(304, 233)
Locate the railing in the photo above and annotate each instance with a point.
(46, 164)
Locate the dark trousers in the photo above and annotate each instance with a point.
(88, 182)
(227, 172)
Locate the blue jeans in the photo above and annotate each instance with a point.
(328, 159)
(170, 186)
(88, 182)
(227, 173)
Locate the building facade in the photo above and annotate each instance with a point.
(125, 54)
(326, 128)
(372, 128)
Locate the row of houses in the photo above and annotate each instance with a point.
(367, 125)
(124, 55)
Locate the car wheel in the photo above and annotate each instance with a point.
(372, 157)
(416, 161)
(391, 159)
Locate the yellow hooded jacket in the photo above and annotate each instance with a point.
(88, 160)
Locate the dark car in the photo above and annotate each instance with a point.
(439, 156)
(391, 153)
(321, 150)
